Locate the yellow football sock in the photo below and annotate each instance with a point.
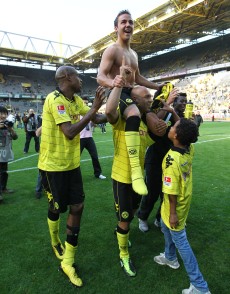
(54, 231)
(138, 183)
(132, 140)
(123, 244)
(69, 254)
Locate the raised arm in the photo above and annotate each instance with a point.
(141, 80)
(172, 96)
(112, 103)
(71, 130)
(166, 108)
(155, 125)
(114, 97)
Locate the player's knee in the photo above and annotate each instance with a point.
(123, 227)
(53, 209)
(53, 214)
(76, 209)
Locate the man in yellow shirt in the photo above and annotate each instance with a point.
(126, 199)
(59, 161)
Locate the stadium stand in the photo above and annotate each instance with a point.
(197, 56)
(201, 70)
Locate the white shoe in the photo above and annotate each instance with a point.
(101, 177)
(162, 260)
(143, 225)
(193, 290)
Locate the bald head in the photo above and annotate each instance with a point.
(142, 98)
(140, 91)
(68, 80)
(64, 71)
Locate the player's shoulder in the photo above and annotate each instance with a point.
(113, 49)
(53, 96)
(133, 51)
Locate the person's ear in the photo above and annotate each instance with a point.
(68, 77)
(133, 98)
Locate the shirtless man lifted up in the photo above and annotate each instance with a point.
(109, 76)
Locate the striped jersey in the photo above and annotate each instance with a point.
(57, 152)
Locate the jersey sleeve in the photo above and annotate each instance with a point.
(83, 108)
(170, 176)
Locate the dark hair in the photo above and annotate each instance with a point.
(187, 131)
(125, 11)
(179, 95)
(3, 110)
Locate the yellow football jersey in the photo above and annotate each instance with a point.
(57, 152)
(177, 180)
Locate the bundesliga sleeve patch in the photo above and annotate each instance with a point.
(61, 109)
(167, 181)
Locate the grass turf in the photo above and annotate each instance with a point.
(28, 264)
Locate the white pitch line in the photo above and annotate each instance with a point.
(23, 169)
(212, 140)
(36, 154)
(89, 159)
(30, 168)
(22, 158)
(103, 141)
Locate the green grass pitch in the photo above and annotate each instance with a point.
(28, 265)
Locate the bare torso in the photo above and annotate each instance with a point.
(114, 56)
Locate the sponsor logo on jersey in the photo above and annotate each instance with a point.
(75, 117)
(169, 161)
(61, 109)
(167, 181)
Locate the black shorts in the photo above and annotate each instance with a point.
(125, 99)
(63, 188)
(125, 201)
